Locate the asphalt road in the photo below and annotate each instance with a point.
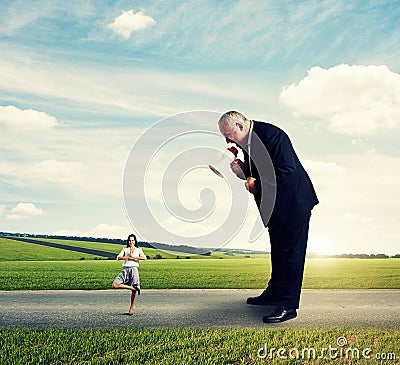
(193, 308)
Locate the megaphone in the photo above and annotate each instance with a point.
(228, 156)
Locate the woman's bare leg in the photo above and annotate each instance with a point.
(122, 286)
(133, 297)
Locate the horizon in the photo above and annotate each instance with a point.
(211, 249)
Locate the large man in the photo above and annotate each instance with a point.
(266, 147)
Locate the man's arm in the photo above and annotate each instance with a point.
(283, 158)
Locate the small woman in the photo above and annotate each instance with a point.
(129, 276)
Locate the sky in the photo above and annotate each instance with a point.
(84, 83)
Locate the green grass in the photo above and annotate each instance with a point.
(29, 266)
(108, 247)
(334, 273)
(191, 346)
(11, 250)
(32, 252)
(344, 273)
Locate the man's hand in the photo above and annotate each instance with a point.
(250, 185)
(237, 168)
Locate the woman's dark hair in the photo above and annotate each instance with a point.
(134, 237)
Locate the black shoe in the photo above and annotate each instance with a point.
(262, 299)
(280, 314)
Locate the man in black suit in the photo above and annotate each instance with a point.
(285, 197)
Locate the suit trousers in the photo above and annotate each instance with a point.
(288, 252)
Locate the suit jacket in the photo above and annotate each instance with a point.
(280, 175)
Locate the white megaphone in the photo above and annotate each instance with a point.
(228, 156)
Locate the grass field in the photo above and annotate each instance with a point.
(29, 266)
(9, 248)
(198, 346)
(163, 274)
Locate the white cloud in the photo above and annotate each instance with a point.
(125, 90)
(2, 209)
(81, 179)
(109, 231)
(24, 211)
(84, 162)
(70, 173)
(67, 232)
(190, 229)
(355, 100)
(358, 141)
(358, 210)
(128, 90)
(73, 175)
(101, 230)
(25, 120)
(129, 22)
(324, 173)
(355, 219)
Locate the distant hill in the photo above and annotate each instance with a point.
(156, 245)
(190, 249)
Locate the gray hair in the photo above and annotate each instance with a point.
(231, 118)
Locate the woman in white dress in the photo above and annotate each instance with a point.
(129, 276)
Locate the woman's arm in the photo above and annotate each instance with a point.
(121, 255)
(141, 256)
(124, 257)
(136, 258)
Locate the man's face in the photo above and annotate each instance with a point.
(236, 134)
